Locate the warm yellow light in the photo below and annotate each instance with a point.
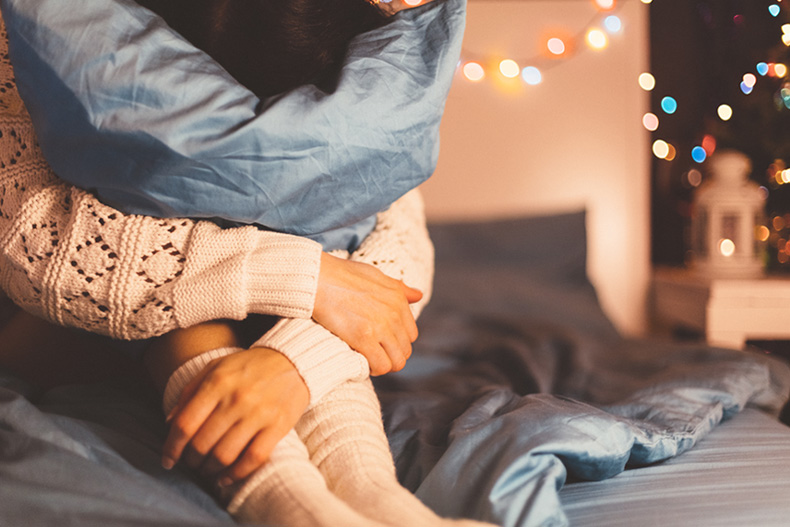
(509, 68)
(726, 247)
(646, 1)
(763, 233)
(785, 174)
(556, 46)
(671, 153)
(725, 112)
(646, 81)
(660, 148)
(778, 223)
(780, 70)
(413, 2)
(605, 4)
(597, 39)
(473, 71)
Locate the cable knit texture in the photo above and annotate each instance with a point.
(71, 260)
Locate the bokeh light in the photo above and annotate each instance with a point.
(749, 80)
(671, 153)
(531, 75)
(613, 24)
(646, 81)
(726, 247)
(509, 68)
(605, 4)
(597, 39)
(762, 68)
(660, 148)
(698, 154)
(763, 233)
(650, 121)
(709, 144)
(694, 177)
(725, 112)
(746, 89)
(474, 71)
(780, 70)
(556, 46)
(774, 10)
(669, 105)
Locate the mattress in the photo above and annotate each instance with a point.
(738, 475)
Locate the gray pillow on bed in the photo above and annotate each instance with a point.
(534, 266)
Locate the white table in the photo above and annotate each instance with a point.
(728, 312)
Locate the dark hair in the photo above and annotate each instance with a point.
(271, 46)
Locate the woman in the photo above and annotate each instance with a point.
(332, 444)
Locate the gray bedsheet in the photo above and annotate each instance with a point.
(519, 384)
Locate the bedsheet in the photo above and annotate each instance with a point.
(518, 385)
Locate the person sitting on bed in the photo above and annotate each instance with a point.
(338, 441)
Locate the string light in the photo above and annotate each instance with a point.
(725, 112)
(509, 68)
(558, 46)
(762, 68)
(613, 24)
(660, 148)
(647, 82)
(669, 105)
(698, 154)
(650, 121)
(474, 71)
(531, 75)
(597, 39)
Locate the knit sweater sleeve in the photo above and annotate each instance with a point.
(401, 248)
(69, 259)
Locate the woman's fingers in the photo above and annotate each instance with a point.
(256, 454)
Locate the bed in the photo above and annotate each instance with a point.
(522, 405)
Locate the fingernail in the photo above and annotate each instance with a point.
(225, 482)
(168, 463)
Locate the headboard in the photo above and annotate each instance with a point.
(573, 141)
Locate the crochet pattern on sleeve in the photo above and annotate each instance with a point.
(43, 242)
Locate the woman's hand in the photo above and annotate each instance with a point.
(232, 414)
(368, 310)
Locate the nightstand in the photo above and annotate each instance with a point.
(727, 312)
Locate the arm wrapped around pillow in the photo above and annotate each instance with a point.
(126, 108)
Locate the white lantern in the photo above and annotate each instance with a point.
(727, 218)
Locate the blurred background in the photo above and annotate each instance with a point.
(720, 70)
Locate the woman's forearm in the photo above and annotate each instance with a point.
(401, 248)
(73, 261)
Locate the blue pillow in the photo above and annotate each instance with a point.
(126, 108)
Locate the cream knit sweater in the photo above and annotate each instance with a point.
(71, 260)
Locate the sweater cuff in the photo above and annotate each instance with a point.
(282, 276)
(322, 359)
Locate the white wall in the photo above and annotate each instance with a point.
(574, 141)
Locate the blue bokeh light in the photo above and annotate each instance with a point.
(531, 75)
(698, 154)
(774, 10)
(612, 24)
(746, 89)
(762, 68)
(669, 105)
